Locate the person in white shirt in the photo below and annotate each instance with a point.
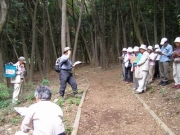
(152, 59)
(157, 73)
(128, 66)
(43, 117)
(17, 81)
(124, 52)
(144, 65)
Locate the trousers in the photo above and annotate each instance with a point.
(151, 73)
(123, 71)
(128, 74)
(67, 77)
(164, 68)
(176, 73)
(17, 89)
(135, 81)
(143, 81)
(156, 73)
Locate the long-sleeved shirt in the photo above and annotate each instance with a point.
(144, 61)
(152, 58)
(167, 52)
(139, 55)
(65, 63)
(44, 118)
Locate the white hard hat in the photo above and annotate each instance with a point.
(156, 46)
(124, 50)
(136, 49)
(66, 49)
(150, 48)
(143, 47)
(130, 49)
(163, 40)
(177, 40)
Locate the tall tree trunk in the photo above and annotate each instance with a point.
(63, 25)
(124, 30)
(163, 21)
(77, 31)
(136, 27)
(51, 33)
(117, 33)
(25, 51)
(155, 22)
(3, 18)
(33, 41)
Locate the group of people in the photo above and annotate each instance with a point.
(45, 117)
(140, 65)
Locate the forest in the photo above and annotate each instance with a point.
(96, 30)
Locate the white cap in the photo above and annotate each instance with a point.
(156, 46)
(124, 50)
(150, 48)
(130, 49)
(22, 59)
(177, 40)
(143, 47)
(136, 49)
(158, 50)
(163, 40)
(66, 49)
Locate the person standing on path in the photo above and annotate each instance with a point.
(164, 62)
(18, 80)
(144, 64)
(66, 74)
(138, 55)
(124, 52)
(152, 59)
(156, 73)
(128, 66)
(176, 63)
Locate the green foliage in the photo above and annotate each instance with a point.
(5, 103)
(78, 101)
(45, 82)
(16, 120)
(178, 96)
(70, 100)
(151, 89)
(4, 92)
(69, 129)
(163, 91)
(60, 102)
(30, 96)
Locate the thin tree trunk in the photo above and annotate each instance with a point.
(25, 51)
(33, 41)
(163, 20)
(124, 30)
(63, 25)
(51, 33)
(136, 27)
(117, 34)
(155, 22)
(77, 31)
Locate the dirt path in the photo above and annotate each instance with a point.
(110, 108)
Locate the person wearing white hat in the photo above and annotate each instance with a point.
(17, 81)
(128, 66)
(124, 52)
(176, 63)
(65, 74)
(156, 73)
(152, 59)
(144, 65)
(164, 62)
(138, 55)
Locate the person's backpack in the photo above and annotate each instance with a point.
(10, 70)
(57, 67)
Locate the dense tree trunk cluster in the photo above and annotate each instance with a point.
(96, 30)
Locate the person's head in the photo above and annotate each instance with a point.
(21, 60)
(177, 41)
(142, 48)
(156, 46)
(67, 50)
(150, 49)
(124, 51)
(43, 93)
(136, 50)
(157, 51)
(164, 41)
(129, 50)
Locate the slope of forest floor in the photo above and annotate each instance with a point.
(109, 107)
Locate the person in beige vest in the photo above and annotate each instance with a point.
(17, 81)
(144, 64)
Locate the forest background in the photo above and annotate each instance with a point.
(96, 30)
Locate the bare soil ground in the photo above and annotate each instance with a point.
(110, 107)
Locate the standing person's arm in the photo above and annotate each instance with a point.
(143, 60)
